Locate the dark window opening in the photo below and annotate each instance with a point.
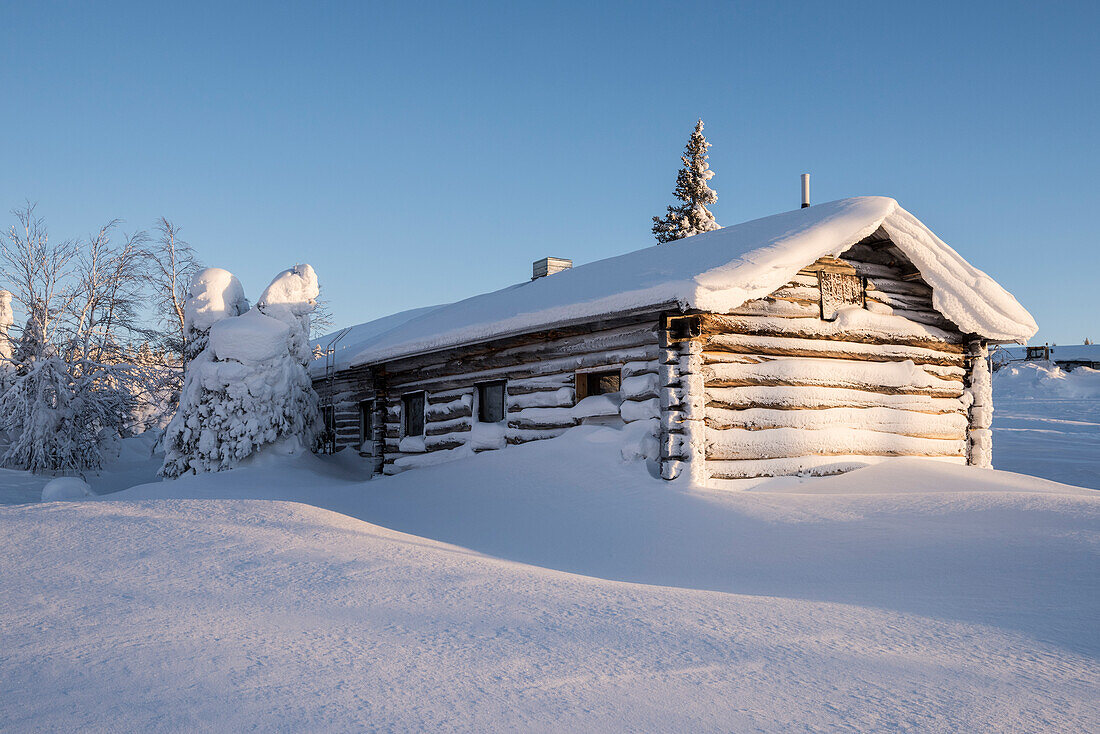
(328, 436)
(490, 402)
(597, 383)
(413, 414)
(366, 421)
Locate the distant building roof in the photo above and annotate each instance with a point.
(1062, 353)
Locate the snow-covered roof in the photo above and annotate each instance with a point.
(715, 271)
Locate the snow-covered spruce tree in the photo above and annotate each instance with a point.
(692, 217)
(213, 294)
(248, 388)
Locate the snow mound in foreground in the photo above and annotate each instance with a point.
(230, 615)
(1037, 380)
(494, 593)
(66, 488)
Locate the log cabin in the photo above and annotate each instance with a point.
(809, 342)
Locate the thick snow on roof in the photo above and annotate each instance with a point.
(350, 342)
(716, 271)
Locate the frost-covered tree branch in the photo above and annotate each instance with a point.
(80, 372)
(172, 264)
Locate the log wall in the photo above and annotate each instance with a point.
(539, 371)
(786, 391)
(796, 382)
(345, 392)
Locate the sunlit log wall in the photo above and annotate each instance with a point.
(847, 363)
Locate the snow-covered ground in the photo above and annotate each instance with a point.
(1046, 422)
(545, 588)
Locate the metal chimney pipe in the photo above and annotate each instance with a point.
(805, 190)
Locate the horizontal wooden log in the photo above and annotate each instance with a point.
(865, 254)
(633, 369)
(542, 418)
(878, 377)
(797, 293)
(547, 366)
(901, 300)
(444, 443)
(930, 318)
(881, 419)
(563, 397)
(483, 357)
(834, 349)
(448, 411)
(778, 309)
(819, 398)
(777, 443)
(541, 383)
(902, 287)
(828, 265)
(453, 426)
(448, 396)
(858, 326)
(637, 410)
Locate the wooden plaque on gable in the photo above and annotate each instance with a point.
(839, 290)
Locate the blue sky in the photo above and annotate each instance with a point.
(418, 153)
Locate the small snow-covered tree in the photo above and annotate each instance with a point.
(213, 294)
(248, 388)
(692, 217)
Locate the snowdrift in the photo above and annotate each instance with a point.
(515, 590)
(1029, 380)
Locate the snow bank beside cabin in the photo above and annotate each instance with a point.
(714, 271)
(1047, 422)
(1030, 380)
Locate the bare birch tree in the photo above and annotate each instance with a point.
(172, 263)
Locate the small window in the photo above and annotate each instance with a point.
(597, 383)
(413, 405)
(366, 421)
(490, 402)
